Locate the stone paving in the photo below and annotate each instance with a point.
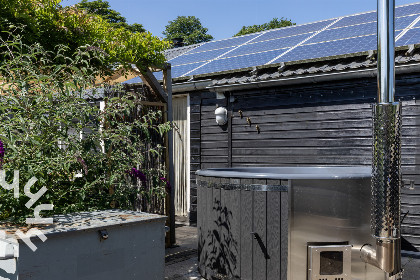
(181, 261)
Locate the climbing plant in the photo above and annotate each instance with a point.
(47, 23)
(53, 129)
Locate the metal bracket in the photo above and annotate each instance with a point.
(254, 71)
(281, 67)
(408, 182)
(410, 50)
(103, 234)
(371, 55)
(248, 120)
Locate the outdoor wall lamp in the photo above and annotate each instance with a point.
(221, 116)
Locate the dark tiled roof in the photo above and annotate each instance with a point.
(361, 61)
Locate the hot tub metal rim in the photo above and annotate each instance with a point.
(280, 173)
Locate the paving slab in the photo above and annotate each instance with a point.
(181, 260)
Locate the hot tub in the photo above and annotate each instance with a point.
(290, 223)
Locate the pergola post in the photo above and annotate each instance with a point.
(167, 78)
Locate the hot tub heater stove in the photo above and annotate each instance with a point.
(386, 160)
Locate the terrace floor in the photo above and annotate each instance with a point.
(181, 261)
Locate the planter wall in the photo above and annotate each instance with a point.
(95, 245)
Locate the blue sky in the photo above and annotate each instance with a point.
(224, 18)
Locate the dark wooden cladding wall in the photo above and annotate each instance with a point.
(214, 138)
(202, 109)
(317, 124)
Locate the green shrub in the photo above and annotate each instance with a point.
(53, 129)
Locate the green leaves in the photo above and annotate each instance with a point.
(274, 23)
(53, 129)
(188, 28)
(48, 24)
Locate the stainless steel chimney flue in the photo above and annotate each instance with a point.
(386, 160)
(386, 54)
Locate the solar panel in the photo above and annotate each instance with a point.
(417, 24)
(135, 80)
(407, 10)
(403, 22)
(236, 62)
(159, 75)
(411, 37)
(293, 30)
(354, 29)
(235, 41)
(344, 32)
(268, 45)
(331, 48)
(177, 71)
(350, 34)
(197, 57)
(356, 19)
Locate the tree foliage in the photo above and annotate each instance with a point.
(49, 24)
(136, 27)
(103, 9)
(272, 24)
(189, 28)
(53, 130)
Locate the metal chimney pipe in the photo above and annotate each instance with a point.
(386, 160)
(386, 56)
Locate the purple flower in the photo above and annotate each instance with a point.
(168, 185)
(138, 174)
(1, 154)
(1, 149)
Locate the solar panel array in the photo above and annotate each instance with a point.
(343, 35)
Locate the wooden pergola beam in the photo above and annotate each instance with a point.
(149, 79)
(167, 82)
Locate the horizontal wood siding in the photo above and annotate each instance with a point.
(317, 124)
(214, 138)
